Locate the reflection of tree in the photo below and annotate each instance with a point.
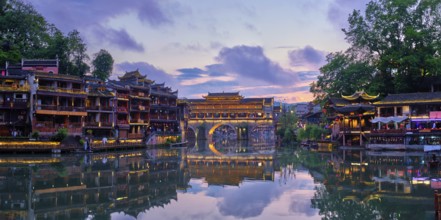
(333, 205)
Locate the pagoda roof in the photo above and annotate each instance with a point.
(360, 108)
(410, 98)
(135, 74)
(360, 95)
(99, 90)
(223, 94)
(338, 102)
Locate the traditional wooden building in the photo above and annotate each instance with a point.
(58, 101)
(139, 103)
(407, 121)
(163, 111)
(100, 107)
(15, 103)
(351, 117)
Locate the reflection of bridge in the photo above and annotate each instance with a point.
(230, 115)
(231, 164)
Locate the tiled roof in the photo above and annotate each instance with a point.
(338, 101)
(31, 63)
(58, 76)
(223, 94)
(411, 98)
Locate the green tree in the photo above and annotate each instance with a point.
(23, 31)
(343, 74)
(102, 65)
(77, 54)
(395, 45)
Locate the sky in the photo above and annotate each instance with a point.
(258, 48)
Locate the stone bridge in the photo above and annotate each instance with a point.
(205, 129)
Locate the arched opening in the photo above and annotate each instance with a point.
(223, 131)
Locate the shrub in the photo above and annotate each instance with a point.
(35, 135)
(60, 135)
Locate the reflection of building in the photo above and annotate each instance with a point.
(232, 163)
(243, 116)
(100, 185)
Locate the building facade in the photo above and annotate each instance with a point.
(230, 115)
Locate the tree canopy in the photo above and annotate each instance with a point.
(102, 65)
(24, 33)
(394, 47)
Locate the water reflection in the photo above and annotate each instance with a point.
(224, 180)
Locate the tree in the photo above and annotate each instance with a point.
(398, 43)
(343, 74)
(23, 31)
(77, 54)
(102, 65)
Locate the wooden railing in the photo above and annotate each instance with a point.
(61, 108)
(135, 136)
(61, 90)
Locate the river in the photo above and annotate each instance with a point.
(229, 180)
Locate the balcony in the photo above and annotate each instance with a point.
(15, 87)
(61, 90)
(16, 104)
(106, 124)
(61, 110)
(121, 109)
(122, 122)
(122, 96)
(137, 121)
(135, 136)
(92, 124)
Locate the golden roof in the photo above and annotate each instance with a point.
(360, 95)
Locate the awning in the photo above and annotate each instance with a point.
(391, 119)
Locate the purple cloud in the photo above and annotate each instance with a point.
(69, 15)
(307, 56)
(251, 62)
(339, 11)
(119, 38)
(152, 72)
(151, 11)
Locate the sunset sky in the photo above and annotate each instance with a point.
(259, 48)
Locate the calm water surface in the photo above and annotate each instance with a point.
(219, 181)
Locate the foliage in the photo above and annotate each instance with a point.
(60, 135)
(102, 65)
(77, 54)
(288, 127)
(394, 47)
(311, 132)
(24, 33)
(35, 135)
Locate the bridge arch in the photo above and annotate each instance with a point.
(216, 126)
(191, 132)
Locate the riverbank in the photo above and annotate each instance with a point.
(36, 146)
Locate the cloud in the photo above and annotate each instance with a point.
(69, 15)
(151, 11)
(307, 57)
(152, 72)
(118, 38)
(251, 62)
(247, 203)
(339, 11)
